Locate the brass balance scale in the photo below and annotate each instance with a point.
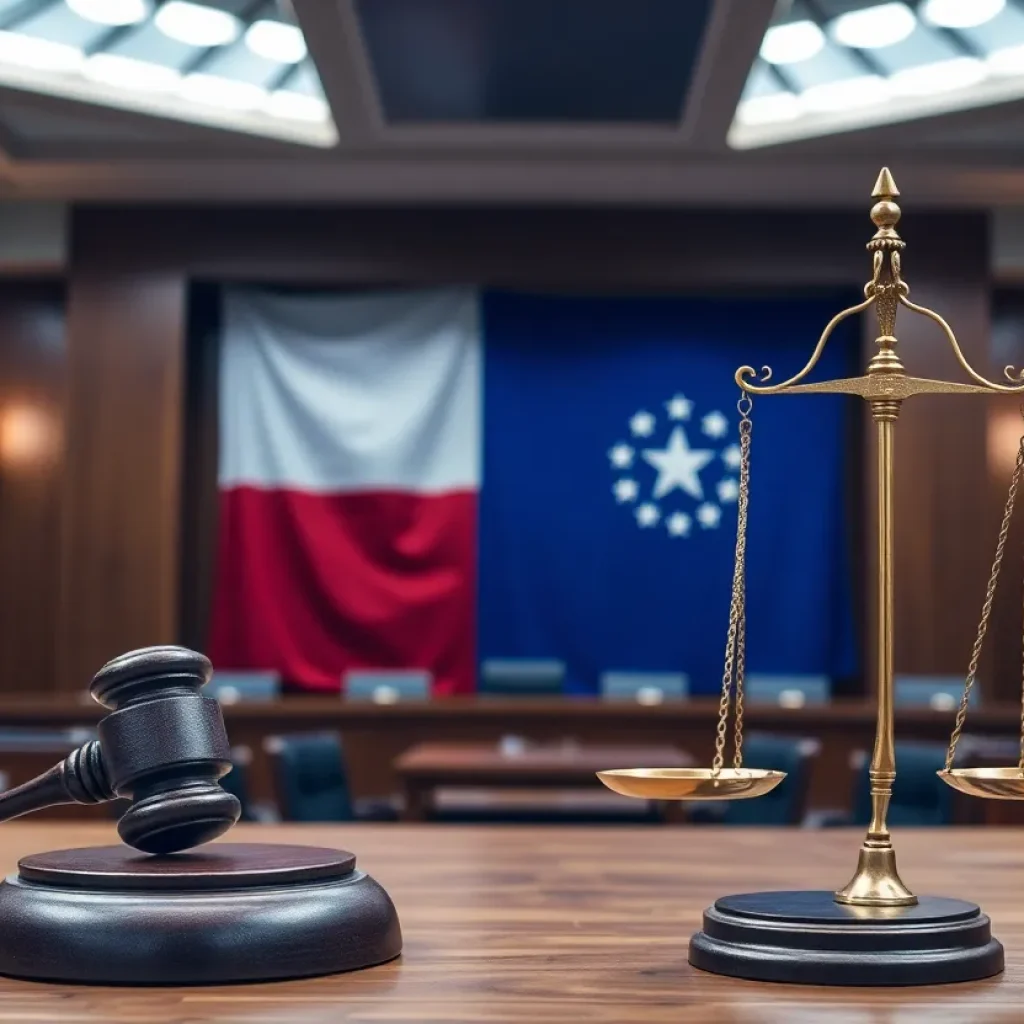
(873, 931)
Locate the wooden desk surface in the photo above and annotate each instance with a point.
(555, 764)
(557, 925)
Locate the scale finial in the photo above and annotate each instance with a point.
(885, 214)
(885, 187)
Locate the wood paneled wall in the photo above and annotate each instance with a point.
(133, 551)
(32, 372)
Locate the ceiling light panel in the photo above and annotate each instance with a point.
(792, 42)
(197, 24)
(960, 13)
(112, 12)
(276, 41)
(872, 28)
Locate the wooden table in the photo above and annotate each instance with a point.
(428, 766)
(549, 926)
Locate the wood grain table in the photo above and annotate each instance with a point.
(427, 767)
(566, 925)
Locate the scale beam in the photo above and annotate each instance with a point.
(886, 386)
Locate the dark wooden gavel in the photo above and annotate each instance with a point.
(163, 745)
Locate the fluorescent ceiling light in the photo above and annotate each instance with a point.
(942, 76)
(845, 94)
(128, 73)
(41, 54)
(228, 93)
(874, 27)
(780, 106)
(112, 12)
(276, 41)
(197, 24)
(297, 106)
(791, 43)
(960, 13)
(1008, 61)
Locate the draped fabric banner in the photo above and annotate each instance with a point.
(611, 459)
(350, 466)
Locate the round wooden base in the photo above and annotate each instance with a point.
(808, 938)
(225, 913)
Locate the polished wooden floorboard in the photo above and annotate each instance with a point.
(557, 925)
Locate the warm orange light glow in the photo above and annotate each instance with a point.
(27, 435)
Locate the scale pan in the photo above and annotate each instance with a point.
(691, 783)
(991, 783)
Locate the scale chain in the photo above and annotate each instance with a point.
(986, 611)
(735, 644)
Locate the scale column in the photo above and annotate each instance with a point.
(876, 882)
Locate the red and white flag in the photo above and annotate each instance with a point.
(349, 472)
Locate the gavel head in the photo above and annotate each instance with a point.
(165, 747)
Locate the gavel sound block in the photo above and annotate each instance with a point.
(164, 913)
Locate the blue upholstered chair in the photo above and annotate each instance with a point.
(230, 687)
(520, 677)
(788, 691)
(236, 781)
(310, 777)
(787, 802)
(919, 796)
(942, 693)
(645, 687)
(386, 686)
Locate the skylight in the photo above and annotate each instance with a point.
(837, 65)
(228, 63)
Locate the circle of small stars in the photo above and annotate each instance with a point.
(678, 467)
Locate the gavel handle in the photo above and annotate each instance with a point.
(81, 778)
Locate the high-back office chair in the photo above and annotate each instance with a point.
(521, 677)
(310, 777)
(788, 691)
(919, 796)
(231, 687)
(942, 693)
(645, 687)
(786, 804)
(386, 686)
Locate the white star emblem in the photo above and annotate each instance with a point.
(647, 514)
(728, 490)
(678, 465)
(709, 515)
(621, 456)
(679, 407)
(678, 524)
(732, 457)
(625, 490)
(642, 424)
(715, 424)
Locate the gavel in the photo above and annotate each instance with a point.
(163, 745)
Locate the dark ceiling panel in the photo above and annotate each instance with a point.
(533, 60)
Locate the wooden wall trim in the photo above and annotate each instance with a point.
(122, 481)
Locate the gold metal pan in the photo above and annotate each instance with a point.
(691, 783)
(991, 783)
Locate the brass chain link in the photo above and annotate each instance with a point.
(735, 643)
(986, 611)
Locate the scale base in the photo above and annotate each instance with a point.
(808, 938)
(224, 913)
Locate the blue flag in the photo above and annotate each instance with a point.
(610, 483)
